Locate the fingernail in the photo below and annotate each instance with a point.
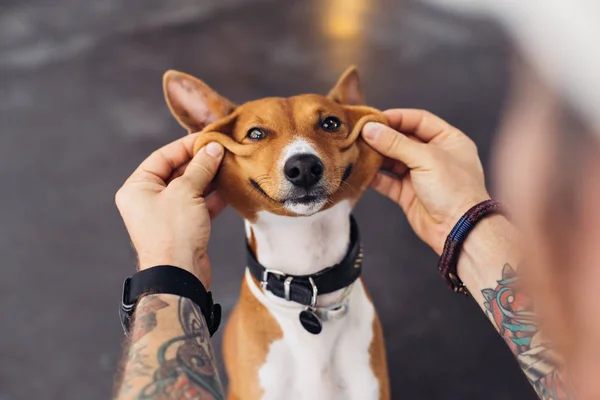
(214, 149)
(372, 130)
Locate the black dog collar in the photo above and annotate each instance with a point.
(303, 289)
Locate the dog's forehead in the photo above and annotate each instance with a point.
(288, 111)
(313, 104)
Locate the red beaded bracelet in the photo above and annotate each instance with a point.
(449, 259)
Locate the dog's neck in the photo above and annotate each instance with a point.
(301, 245)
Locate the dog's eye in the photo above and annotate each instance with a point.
(331, 124)
(255, 134)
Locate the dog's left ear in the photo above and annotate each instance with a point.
(347, 90)
(192, 102)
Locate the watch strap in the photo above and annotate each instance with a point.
(167, 279)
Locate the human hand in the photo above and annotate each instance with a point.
(164, 208)
(431, 170)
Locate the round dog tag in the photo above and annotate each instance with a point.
(311, 322)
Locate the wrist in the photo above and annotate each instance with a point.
(186, 262)
(439, 238)
(493, 242)
(163, 299)
(145, 285)
(146, 311)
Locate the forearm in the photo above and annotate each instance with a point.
(170, 354)
(488, 267)
(492, 244)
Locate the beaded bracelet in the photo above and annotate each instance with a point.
(449, 259)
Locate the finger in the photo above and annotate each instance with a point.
(161, 164)
(178, 172)
(388, 186)
(215, 205)
(400, 191)
(420, 123)
(397, 146)
(203, 167)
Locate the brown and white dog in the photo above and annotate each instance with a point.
(294, 169)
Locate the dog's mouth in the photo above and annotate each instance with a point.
(306, 199)
(315, 196)
(260, 190)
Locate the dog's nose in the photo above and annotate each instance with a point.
(303, 170)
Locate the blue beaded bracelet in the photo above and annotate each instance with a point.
(449, 259)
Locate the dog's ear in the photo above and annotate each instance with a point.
(192, 102)
(347, 90)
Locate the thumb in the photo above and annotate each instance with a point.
(395, 145)
(203, 167)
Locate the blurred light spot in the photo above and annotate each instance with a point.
(343, 25)
(344, 19)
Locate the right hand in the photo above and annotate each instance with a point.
(165, 208)
(437, 174)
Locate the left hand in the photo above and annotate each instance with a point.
(164, 208)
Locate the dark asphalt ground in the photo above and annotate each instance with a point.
(81, 105)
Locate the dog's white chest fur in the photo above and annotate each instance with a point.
(334, 364)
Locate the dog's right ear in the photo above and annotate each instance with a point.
(192, 102)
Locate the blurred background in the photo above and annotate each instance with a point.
(81, 105)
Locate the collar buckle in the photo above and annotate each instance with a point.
(315, 293)
(265, 277)
(287, 286)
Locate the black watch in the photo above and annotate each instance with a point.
(169, 280)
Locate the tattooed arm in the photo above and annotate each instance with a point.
(170, 355)
(435, 179)
(488, 268)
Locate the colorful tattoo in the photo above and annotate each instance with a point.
(188, 371)
(511, 312)
(174, 363)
